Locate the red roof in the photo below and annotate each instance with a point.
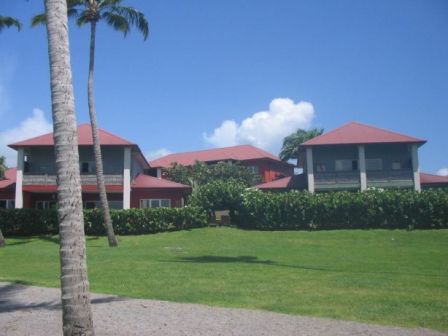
(289, 182)
(149, 182)
(10, 178)
(356, 133)
(433, 179)
(84, 138)
(234, 153)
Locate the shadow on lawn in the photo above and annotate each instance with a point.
(18, 296)
(254, 260)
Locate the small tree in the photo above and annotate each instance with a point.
(291, 143)
(201, 173)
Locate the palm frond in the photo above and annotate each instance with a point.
(83, 18)
(118, 22)
(7, 21)
(132, 16)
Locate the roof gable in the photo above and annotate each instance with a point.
(357, 133)
(426, 178)
(10, 178)
(234, 153)
(84, 139)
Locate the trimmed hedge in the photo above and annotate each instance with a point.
(125, 222)
(389, 209)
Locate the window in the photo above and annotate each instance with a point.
(374, 164)
(321, 167)
(44, 205)
(7, 204)
(87, 167)
(253, 169)
(396, 165)
(155, 203)
(346, 165)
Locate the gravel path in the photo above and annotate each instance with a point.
(28, 310)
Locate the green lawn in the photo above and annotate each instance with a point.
(387, 277)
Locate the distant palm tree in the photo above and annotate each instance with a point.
(7, 21)
(2, 167)
(291, 143)
(120, 18)
(76, 309)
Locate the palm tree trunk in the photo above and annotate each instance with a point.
(96, 144)
(76, 309)
(2, 239)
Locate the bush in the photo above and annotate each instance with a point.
(125, 222)
(299, 210)
(219, 195)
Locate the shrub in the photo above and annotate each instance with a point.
(298, 210)
(219, 195)
(126, 222)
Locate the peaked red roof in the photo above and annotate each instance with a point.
(149, 182)
(289, 182)
(84, 138)
(235, 153)
(10, 178)
(357, 133)
(433, 179)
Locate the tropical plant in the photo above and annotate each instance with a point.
(201, 173)
(291, 143)
(7, 22)
(120, 18)
(2, 167)
(76, 309)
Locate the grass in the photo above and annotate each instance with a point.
(387, 277)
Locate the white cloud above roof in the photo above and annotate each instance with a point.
(35, 125)
(443, 171)
(155, 154)
(264, 129)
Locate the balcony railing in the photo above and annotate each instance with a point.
(50, 179)
(389, 175)
(324, 178)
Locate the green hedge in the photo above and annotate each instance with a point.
(126, 222)
(391, 209)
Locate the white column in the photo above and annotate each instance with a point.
(309, 169)
(362, 167)
(19, 178)
(415, 167)
(182, 202)
(127, 178)
(159, 173)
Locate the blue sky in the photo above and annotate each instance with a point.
(209, 66)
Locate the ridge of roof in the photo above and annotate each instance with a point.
(143, 181)
(383, 136)
(188, 158)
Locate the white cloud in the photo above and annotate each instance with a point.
(443, 172)
(33, 126)
(265, 129)
(155, 154)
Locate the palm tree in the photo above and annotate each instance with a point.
(7, 21)
(291, 143)
(76, 309)
(120, 18)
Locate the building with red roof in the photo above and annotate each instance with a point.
(356, 156)
(33, 183)
(267, 165)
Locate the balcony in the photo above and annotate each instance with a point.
(390, 178)
(86, 179)
(337, 180)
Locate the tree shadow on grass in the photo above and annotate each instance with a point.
(12, 299)
(209, 259)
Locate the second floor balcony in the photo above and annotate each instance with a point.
(86, 179)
